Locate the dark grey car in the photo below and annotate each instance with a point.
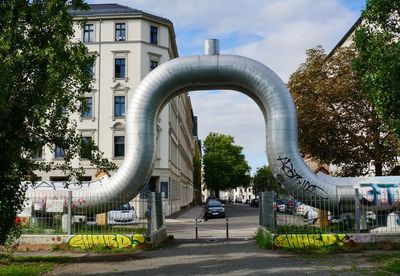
(214, 209)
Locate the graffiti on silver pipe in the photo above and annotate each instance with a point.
(290, 171)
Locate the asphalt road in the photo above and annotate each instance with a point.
(212, 254)
(241, 218)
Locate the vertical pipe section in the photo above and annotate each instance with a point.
(99, 88)
(357, 204)
(211, 47)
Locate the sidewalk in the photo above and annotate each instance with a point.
(187, 214)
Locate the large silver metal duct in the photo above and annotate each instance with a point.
(205, 72)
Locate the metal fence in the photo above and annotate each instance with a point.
(372, 209)
(53, 216)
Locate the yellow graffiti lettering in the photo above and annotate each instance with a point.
(281, 241)
(303, 241)
(114, 241)
(123, 241)
(316, 240)
(328, 239)
(138, 238)
(292, 240)
(306, 240)
(76, 241)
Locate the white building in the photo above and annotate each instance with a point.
(128, 44)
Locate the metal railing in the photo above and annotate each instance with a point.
(52, 216)
(373, 209)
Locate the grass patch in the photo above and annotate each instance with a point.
(389, 262)
(264, 238)
(30, 265)
(392, 265)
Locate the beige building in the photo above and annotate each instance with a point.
(128, 44)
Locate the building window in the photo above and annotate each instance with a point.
(86, 150)
(119, 146)
(119, 106)
(120, 32)
(59, 178)
(85, 178)
(59, 152)
(91, 71)
(37, 153)
(119, 68)
(88, 33)
(87, 107)
(153, 64)
(153, 35)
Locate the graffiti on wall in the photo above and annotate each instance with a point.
(379, 194)
(114, 241)
(310, 240)
(288, 169)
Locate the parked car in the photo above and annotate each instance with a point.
(305, 210)
(291, 207)
(214, 209)
(238, 199)
(254, 202)
(211, 198)
(281, 205)
(123, 215)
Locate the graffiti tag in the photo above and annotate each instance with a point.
(290, 171)
(310, 240)
(114, 241)
(380, 194)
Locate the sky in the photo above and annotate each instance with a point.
(274, 32)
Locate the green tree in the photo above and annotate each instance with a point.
(225, 167)
(264, 180)
(197, 178)
(44, 75)
(378, 60)
(338, 123)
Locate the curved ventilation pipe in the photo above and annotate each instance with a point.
(205, 72)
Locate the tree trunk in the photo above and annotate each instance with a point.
(216, 193)
(378, 169)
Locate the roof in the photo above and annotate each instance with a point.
(120, 10)
(115, 9)
(344, 38)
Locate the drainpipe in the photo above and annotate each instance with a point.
(98, 88)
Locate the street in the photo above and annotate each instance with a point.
(212, 254)
(242, 224)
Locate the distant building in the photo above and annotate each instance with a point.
(128, 44)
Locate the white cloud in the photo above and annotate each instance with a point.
(232, 113)
(274, 32)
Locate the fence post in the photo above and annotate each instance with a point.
(196, 229)
(357, 204)
(267, 216)
(227, 228)
(69, 215)
(148, 214)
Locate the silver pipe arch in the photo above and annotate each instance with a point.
(205, 72)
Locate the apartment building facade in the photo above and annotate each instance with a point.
(128, 44)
